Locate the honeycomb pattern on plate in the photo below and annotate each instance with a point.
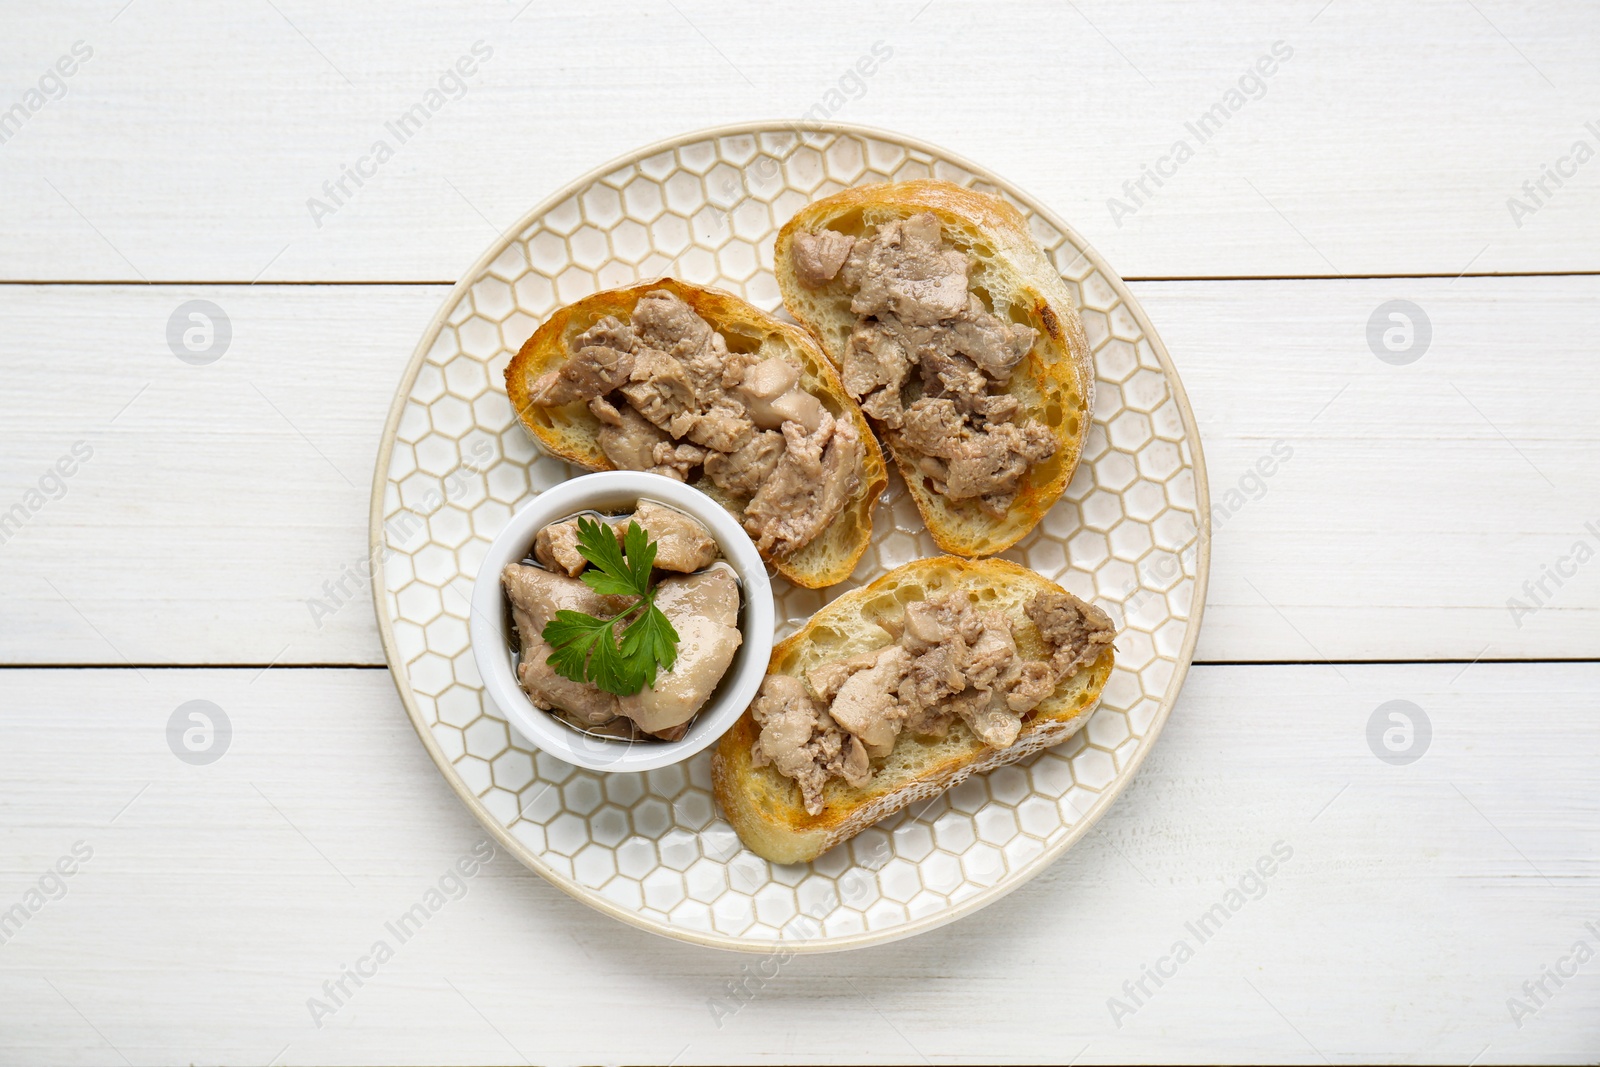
(651, 848)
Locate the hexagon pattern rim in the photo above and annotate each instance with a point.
(649, 848)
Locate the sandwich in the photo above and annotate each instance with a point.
(901, 689)
(697, 385)
(960, 342)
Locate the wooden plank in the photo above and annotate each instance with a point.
(219, 499)
(1420, 499)
(1386, 142)
(222, 496)
(1416, 900)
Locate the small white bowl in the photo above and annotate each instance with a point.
(616, 492)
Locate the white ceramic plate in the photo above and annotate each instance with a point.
(1132, 533)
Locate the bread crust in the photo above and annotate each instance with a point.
(1055, 383)
(571, 432)
(765, 808)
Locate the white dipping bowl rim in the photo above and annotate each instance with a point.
(613, 492)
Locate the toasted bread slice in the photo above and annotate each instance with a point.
(765, 807)
(572, 433)
(1055, 384)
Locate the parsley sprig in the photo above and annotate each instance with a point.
(586, 647)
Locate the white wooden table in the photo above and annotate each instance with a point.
(1423, 902)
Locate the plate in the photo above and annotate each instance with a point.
(1132, 533)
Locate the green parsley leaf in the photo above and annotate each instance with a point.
(608, 669)
(650, 639)
(585, 648)
(573, 635)
(610, 574)
(641, 553)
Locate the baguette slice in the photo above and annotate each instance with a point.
(765, 808)
(571, 432)
(1055, 384)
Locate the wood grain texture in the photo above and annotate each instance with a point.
(1415, 503)
(1416, 901)
(1387, 143)
(1418, 500)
